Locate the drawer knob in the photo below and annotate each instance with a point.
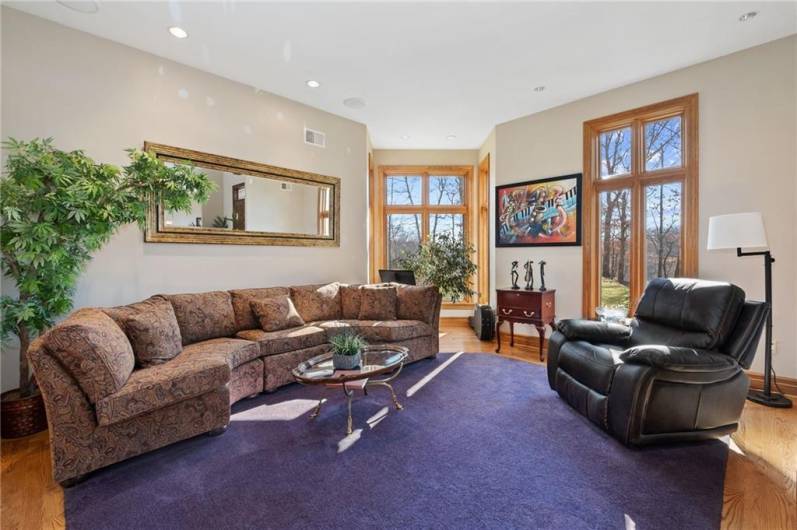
(506, 311)
(528, 314)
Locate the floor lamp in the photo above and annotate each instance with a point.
(746, 230)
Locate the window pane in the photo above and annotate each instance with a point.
(663, 143)
(403, 237)
(663, 230)
(403, 189)
(615, 152)
(446, 190)
(446, 223)
(615, 241)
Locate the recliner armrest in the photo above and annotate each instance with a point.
(678, 359)
(594, 331)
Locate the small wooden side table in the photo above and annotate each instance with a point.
(537, 308)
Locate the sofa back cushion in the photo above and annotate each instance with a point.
(417, 303)
(350, 301)
(203, 316)
(241, 299)
(317, 302)
(276, 313)
(378, 302)
(154, 335)
(706, 308)
(94, 350)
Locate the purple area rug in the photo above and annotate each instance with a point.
(482, 442)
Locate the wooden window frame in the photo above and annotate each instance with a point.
(380, 210)
(687, 174)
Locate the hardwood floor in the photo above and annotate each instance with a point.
(760, 479)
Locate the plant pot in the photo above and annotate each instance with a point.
(346, 362)
(21, 416)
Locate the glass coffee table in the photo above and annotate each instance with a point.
(379, 361)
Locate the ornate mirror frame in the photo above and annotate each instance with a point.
(158, 232)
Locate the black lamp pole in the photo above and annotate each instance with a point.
(766, 397)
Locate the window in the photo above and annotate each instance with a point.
(640, 201)
(411, 204)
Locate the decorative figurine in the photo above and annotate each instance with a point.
(542, 276)
(529, 275)
(515, 275)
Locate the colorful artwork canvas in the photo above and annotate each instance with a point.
(544, 212)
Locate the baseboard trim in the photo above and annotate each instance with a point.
(787, 385)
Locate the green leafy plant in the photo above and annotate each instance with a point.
(59, 207)
(444, 262)
(221, 222)
(347, 343)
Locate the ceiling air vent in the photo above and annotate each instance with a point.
(285, 186)
(316, 138)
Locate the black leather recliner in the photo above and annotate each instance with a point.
(674, 374)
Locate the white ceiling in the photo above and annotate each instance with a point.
(433, 70)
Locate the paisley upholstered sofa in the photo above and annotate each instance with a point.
(118, 382)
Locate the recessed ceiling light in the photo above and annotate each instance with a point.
(539, 88)
(81, 6)
(178, 32)
(451, 137)
(313, 83)
(405, 136)
(748, 16)
(354, 103)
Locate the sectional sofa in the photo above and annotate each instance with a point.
(107, 401)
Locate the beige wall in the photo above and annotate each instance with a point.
(431, 157)
(103, 97)
(748, 138)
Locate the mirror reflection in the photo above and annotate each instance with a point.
(259, 203)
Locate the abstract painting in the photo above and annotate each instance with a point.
(539, 213)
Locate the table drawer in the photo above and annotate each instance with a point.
(518, 298)
(516, 313)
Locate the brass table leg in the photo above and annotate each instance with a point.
(349, 394)
(386, 383)
(317, 409)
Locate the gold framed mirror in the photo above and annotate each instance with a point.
(253, 204)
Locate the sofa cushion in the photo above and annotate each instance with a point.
(94, 349)
(120, 313)
(234, 351)
(417, 303)
(241, 298)
(592, 365)
(701, 306)
(316, 302)
(276, 313)
(203, 315)
(378, 303)
(154, 335)
(149, 389)
(285, 340)
(350, 301)
(380, 330)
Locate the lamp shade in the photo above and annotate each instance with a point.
(737, 230)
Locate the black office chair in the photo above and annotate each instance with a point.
(397, 276)
(675, 374)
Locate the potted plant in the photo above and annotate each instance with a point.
(445, 262)
(56, 209)
(347, 348)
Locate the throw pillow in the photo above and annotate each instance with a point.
(154, 335)
(350, 301)
(378, 303)
(417, 303)
(241, 304)
(203, 316)
(95, 350)
(317, 302)
(276, 313)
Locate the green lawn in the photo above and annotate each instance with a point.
(613, 293)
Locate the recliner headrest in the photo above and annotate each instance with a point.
(693, 305)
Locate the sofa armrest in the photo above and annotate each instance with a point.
(594, 331)
(683, 365)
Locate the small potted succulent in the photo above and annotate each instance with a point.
(347, 350)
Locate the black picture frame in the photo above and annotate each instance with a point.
(579, 198)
